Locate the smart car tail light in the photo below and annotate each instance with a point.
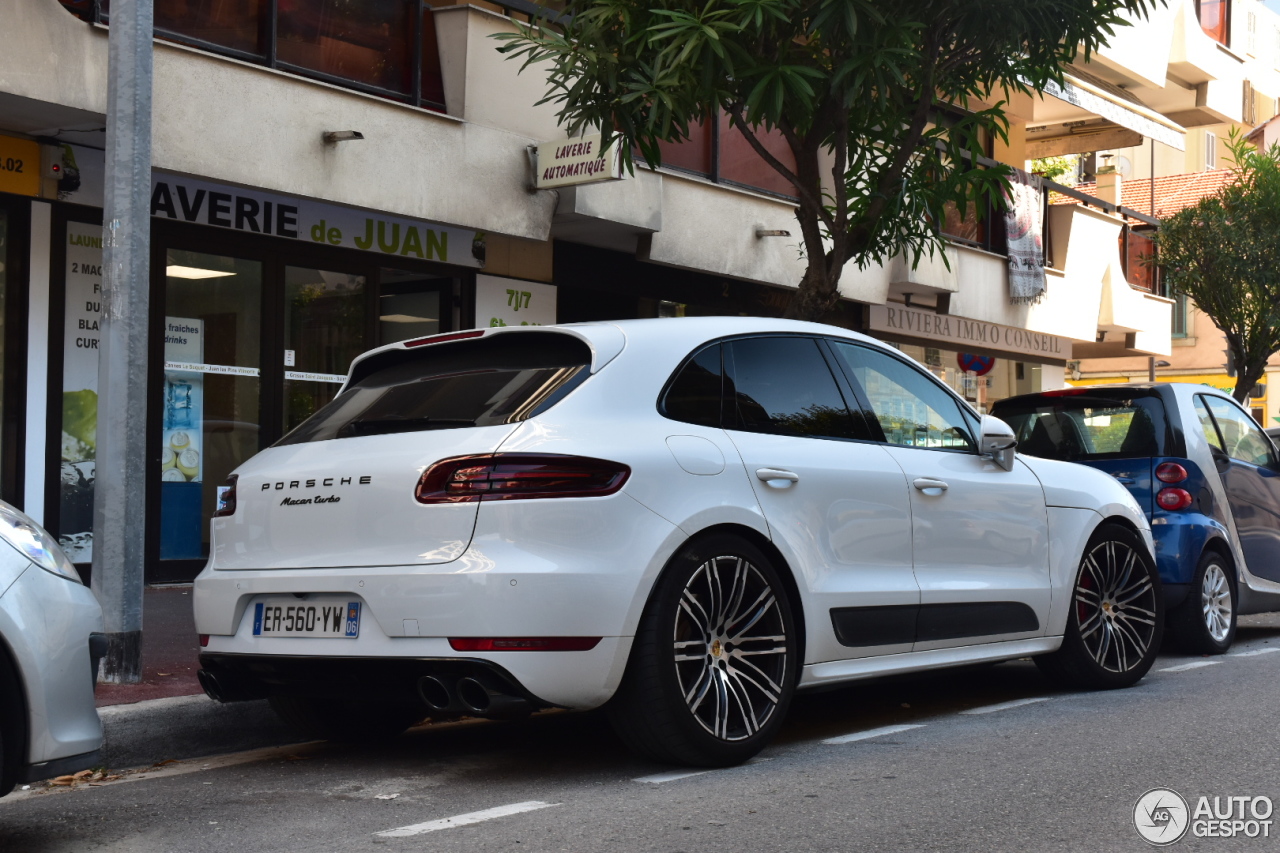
(1172, 499)
(509, 476)
(1171, 472)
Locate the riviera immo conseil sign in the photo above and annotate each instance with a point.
(576, 161)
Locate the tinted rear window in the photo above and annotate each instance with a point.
(1077, 428)
(484, 382)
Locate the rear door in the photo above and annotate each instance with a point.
(979, 533)
(1246, 460)
(836, 504)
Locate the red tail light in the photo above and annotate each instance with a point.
(509, 476)
(523, 644)
(227, 500)
(440, 339)
(1172, 499)
(204, 640)
(1171, 472)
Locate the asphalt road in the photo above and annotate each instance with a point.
(989, 759)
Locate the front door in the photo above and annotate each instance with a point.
(979, 533)
(836, 504)
(1250, 473)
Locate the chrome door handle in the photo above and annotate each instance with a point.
(930, 486)
(777, 477)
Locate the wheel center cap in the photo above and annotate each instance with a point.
(716, 648)
(1108, 608)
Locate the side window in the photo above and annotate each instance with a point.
(783, 385)
(913, 410)
(1206, 424)
(1242, 438)
(694, 395)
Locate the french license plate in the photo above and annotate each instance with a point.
(289, 617)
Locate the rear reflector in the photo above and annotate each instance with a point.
(1173, 499)
(523, 644)
(510, 476)
(204, 640)
(440, 339)
(1170, 472)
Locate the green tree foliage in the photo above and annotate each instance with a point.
(854, 86)
(1224, 254)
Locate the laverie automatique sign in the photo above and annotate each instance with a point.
(571, 162)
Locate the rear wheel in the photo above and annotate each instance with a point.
(351, 721)
(713, 667)
(1117, 615)
(1205, 624)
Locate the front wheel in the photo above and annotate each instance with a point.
(1117, 615)
(713, 668)
(1205, 624)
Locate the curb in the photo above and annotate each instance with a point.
(154, 730)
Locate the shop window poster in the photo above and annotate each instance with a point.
(183, 424)
(80, 389)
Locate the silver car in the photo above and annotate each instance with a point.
(51, 641)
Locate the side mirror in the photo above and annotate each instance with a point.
(997, 442)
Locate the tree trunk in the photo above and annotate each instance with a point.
(817, 294)
(1246, 378)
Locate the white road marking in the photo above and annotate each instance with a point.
(464, 819)
(1195, 664)
(870, 733)
(1004, 706)
(670, 776)
(1253, 653)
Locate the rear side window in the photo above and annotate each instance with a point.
(1075, 428)
(694, 395)
(783, 385)
(502, 379)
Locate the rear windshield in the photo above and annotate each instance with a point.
(502, 379)
(1074, 428)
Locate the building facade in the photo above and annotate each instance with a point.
(284, 244)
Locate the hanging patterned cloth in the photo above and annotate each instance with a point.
(1024, 211)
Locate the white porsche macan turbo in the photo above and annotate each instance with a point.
(686, 519)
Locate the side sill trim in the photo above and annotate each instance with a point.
(833, 672)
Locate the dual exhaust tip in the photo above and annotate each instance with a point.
(477, 697)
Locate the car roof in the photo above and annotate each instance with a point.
(608, 338)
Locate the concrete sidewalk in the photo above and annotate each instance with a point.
(167, 716)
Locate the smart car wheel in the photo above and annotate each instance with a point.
(713, 667)
(351, 721)
(1116, 619)
(1205, 624)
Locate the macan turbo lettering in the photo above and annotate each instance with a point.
(684, 520)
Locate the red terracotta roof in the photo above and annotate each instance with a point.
(1173, 192)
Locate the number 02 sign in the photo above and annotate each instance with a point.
(19, 166)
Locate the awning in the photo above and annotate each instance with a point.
(1119, 107)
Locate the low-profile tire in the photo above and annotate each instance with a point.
(1205, 624)
(350, 721)
(1116, 620)
(713, 666)
(6, 775)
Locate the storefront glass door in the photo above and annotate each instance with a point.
(326, 326)
(211, 402)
